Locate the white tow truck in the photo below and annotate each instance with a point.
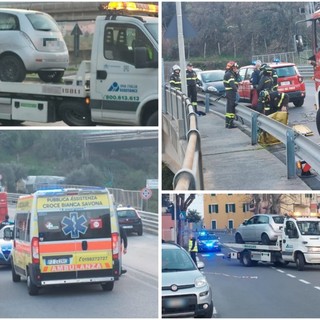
(298, 243)
(118, 86)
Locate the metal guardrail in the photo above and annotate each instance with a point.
(149, 219)
(178, 106)
(296, 144)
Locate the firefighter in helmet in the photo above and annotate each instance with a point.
(230, 85)
(175, 79)
(271, 102)
(192, 80)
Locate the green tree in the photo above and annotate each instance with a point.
(193, 216)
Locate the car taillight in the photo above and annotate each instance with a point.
(115, 245)
(35, 250)
(300, 79)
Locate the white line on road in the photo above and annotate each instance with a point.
(318, 288)
(290, 275)
(279, 270)
(304, 281)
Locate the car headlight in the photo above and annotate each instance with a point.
(212, 89)
(200, 282)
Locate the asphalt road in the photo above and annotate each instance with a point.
(261, 291)
(135, 295)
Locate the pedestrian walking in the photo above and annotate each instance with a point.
(230, 84)
(124, 244)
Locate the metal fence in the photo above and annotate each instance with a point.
(178, 108)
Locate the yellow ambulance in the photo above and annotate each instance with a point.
(65, 236)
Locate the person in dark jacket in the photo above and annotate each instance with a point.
(124, 242)
(231, 88)
(192, 78)
(5, 222)
(255, 78)
(193, 249)
(273, 101)
(266, 81)
(175, 79)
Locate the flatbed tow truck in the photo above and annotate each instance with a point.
(118, 86)
(299, 243)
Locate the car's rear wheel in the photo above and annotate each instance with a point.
(12, 69)
(265, 239)
(51, 76)
(238, 238)
(15, 276)
(298, 102)
(32, 288)
(107, 286)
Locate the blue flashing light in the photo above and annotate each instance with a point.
(276, 60)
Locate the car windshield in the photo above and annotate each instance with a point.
(286, 71)
(309, 228)
(153, 29)
(207, 237)
(175, 260)
(126, 213)
(212, 76)
(278, 219)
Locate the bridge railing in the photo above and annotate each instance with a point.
(296, 144)
(182, 118)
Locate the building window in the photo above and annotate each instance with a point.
(230, 224)
(246, 207)
(213, 208)
(213, 224)
(230, 208)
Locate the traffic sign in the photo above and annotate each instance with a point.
(145, 193)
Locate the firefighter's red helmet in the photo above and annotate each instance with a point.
(231, 64)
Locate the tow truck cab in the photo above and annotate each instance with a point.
(300, 241)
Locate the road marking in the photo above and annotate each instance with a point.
(290, 275)
(279, 270)
(304, 281)
(318, 288)
(219, 254)
(214, 313)
(231, 276)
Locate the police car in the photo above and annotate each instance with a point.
(208, 242)
(5, 245)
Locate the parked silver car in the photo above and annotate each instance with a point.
(185, 290)
(31, 42)
(264, 228)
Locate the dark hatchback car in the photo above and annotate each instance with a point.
(130, 220)
(211, 81)
(208, 242)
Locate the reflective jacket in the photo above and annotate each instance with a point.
(191, 78)
(175, 81)
(229, 81)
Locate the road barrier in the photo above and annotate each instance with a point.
(182, 118)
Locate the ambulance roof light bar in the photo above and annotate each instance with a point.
(130, 8)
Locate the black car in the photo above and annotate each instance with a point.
(130, 220)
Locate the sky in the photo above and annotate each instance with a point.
(197, 204)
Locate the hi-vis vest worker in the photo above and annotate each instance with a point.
(175, 79)
(66, 236)
(193, 249)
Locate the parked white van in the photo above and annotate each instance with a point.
(31, 42)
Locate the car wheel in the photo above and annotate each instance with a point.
(140, 232)
(298, 102)
(300, 261)
(15, 276)
(265, 239)
(75, 113)
(245, 258)
(51, 76)
(32, 288)
(238, 238)
(153, 120)
(12, 69)
(318, 120)
(107, 286)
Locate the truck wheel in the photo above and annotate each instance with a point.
(300, 261)
(107, 286)
(75, 113)
(15, 277)
(32, 288)
(245, 259)
(238, 238)
(12, 69)
(51, 76)
(153, 120)
(298, 102)
(318, 120)
(265, 239)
